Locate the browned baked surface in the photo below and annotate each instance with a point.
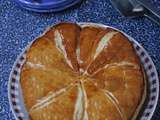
(81, 73)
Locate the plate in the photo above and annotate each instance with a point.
(152, 81)
(46, 5)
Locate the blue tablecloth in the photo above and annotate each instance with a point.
(18, 27)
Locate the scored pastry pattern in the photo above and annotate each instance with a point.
(81, 73)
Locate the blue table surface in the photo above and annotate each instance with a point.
(18, 27)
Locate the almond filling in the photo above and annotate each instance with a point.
(80, 112)
(59, 44)
(78, 55)
(86, 103)
(48, 99)
(104, 42)
(116, 104)
(123, 64)
(36, 66)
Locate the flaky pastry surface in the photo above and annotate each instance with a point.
(81, 73)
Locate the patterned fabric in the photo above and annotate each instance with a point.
(18, 27)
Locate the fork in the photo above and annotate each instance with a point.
(133, 8)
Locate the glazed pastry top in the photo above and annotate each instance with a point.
(77, 72)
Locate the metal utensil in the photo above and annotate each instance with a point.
(133, 8)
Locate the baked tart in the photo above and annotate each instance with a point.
(75, 72)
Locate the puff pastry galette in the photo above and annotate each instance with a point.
(77, 72)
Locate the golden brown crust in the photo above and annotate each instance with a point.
(99, 106)
(62, 107)
(42, 71)
(110, 85)
(70, 33)
(125, 84)
(86, 42)
(117, 43)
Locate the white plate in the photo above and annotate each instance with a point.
(146, 111)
